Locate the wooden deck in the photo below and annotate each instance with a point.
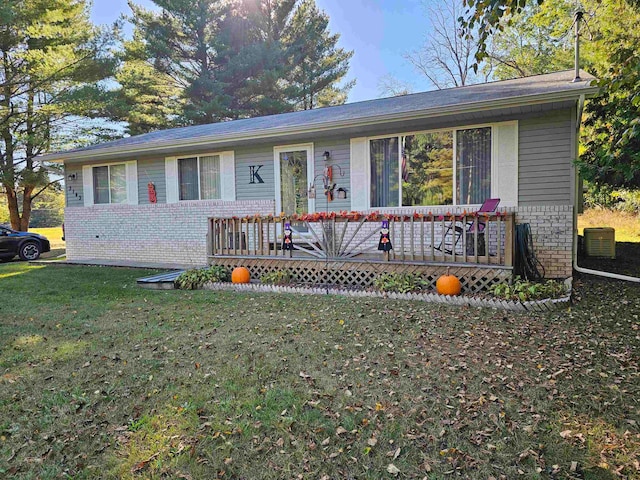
(344, 250)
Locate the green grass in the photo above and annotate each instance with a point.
(627, 225)
(101, 379)
(54, 235)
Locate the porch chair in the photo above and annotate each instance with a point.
(455, 230)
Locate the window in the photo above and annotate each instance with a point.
(432, 168)
(384, 172)
(199, 178)
(473, 165)
(110, 184)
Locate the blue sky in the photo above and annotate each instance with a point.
(379, 31)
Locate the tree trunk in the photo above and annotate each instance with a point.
(26, 209)
(12, 203)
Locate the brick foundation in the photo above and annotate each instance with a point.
(552, 233)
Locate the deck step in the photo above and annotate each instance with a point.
(161, 281)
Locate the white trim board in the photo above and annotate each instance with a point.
(308, 147)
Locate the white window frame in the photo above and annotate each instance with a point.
(131, 179)
(226, 173)
(277, 150)
(454, 130)
(198, 158)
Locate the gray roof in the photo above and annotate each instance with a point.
(535, 89)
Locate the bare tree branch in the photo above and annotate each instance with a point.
(45, 187)
(447, 54)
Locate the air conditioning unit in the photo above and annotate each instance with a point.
(600, 242)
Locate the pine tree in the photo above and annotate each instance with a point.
(318, 64)
(148, 99)
(181, 42)
(254, 58)
(232, 59)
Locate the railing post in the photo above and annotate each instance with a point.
(509, 239)
(210, 238)
(432, 243)
(402, 237)
(422, 238)
(475, 239)
(464, 236)
(220, 249)
(487, 234)
(499, 238)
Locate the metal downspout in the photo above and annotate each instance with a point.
(576, 267)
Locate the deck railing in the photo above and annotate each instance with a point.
(423, 238)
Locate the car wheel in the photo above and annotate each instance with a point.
(29, 251)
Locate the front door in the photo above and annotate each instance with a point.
(294, 177)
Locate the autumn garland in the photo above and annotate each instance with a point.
(372, 216)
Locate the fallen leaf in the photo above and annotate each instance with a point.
(392, 469)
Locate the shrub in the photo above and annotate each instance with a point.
(525, 290)
(604, 196)
(193, 279)
(279, 277)
(400, 282)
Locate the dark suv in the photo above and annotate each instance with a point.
(27, 245)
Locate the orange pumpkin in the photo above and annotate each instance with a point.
(240, 275)
(448, 285)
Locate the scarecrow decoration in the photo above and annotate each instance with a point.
(385, 242)
(287, 240)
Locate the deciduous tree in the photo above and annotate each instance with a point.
(447, 56)
(610, 50)
(52, 60)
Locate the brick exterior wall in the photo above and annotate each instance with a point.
(552, 233)
(159, 233)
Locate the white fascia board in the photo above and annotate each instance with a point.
(326, 126)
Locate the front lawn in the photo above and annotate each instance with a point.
(101, 379)
(53, 234)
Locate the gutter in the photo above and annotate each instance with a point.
(576, 267)
(212, 140)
